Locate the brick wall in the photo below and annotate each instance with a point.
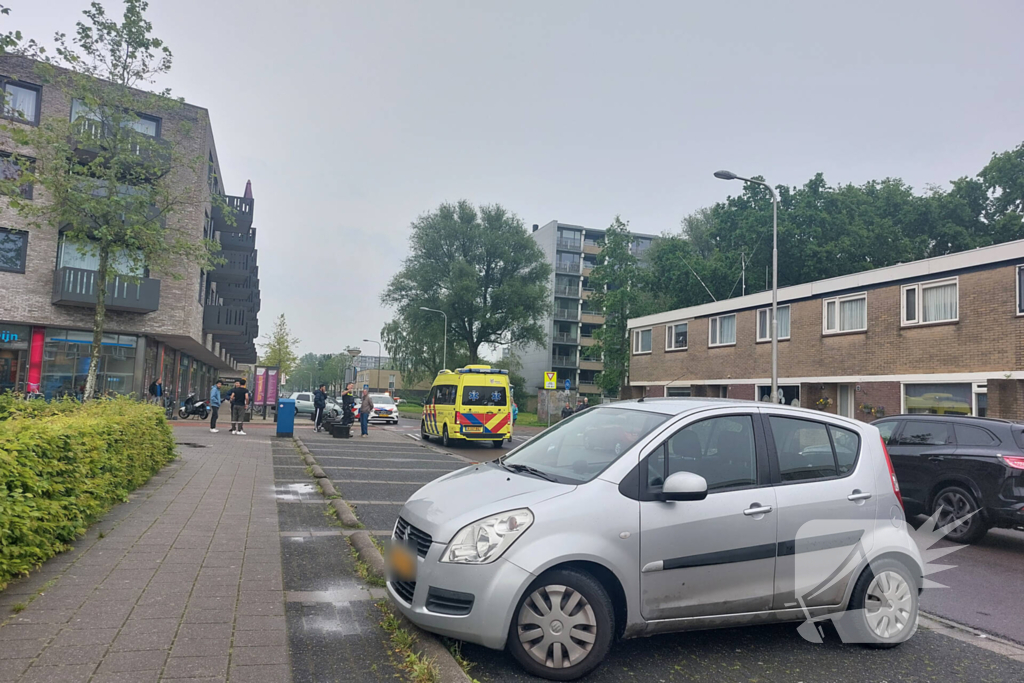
(26, 297)
(1006, 399)
(989, 337)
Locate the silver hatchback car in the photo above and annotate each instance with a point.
(657, 515)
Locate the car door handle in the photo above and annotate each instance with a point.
(760, 510)
(857, 495)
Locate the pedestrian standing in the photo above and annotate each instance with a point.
(583, 405)
(156, 391)
(239, 396)
(214, 405)
(319, 406)
(365, 408)
(567, 411)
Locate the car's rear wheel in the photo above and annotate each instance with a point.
(563, 626)
(423, 431)
(885, 603)
(444, 436)
(956, 506)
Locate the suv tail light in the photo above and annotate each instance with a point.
(1013, 461)
(892, 474)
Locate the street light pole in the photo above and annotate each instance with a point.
(434, 310)
(377, 387)
(729, 175)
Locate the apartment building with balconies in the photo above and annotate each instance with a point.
(569, 349)
(186, 326)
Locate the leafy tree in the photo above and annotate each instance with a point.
(279, 348)
(478, 266)
(420, 356)
(618, 282)
(105, 178)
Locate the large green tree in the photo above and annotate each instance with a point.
(279, 348)
(482, 269)
(107, 182)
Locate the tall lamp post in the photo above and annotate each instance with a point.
(371, 341)
(354, 351)
(729, 175)
(434, 310)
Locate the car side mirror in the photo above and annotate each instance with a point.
(684, 486)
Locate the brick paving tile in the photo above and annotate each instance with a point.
(70, 655)
(11, 669)
(191, 667)
(139, 660)
(278, 673)
(18, 649)
(259, 656)
(201, 647)
(58, 674)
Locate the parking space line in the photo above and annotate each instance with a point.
(376, 502)
(381, 481)
(374, 469)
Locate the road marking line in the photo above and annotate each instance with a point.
(376, 502)
(380, 481)
(413, 436)
(972, 636)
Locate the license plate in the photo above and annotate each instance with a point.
(472, 429)
(402, 562)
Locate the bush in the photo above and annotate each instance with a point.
(64, 464)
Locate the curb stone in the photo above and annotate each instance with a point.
(327, 487)
(318, 473)
(430, 645)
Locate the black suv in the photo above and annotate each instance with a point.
(958, 465)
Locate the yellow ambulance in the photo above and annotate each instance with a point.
(471, 403)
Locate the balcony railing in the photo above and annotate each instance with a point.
(565, 338)
(240, 208)
(573, 268)
(237, 268)
(567, 291)
(564, 361)
(567, 314)
(93, 139)
(226, 320)
(77, 287)
(238, 241)
(570, 245)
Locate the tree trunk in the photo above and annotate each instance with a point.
(97, 324)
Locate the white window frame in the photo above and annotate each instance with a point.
(636, 341)
(768, 319)
(838, 300)
(1016, 285)
(919, 288)
(670, 336)
(718, 326)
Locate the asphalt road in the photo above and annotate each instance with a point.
(986, 592)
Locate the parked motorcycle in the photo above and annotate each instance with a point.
(191, 407)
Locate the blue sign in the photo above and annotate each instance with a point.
(8, 336)
(366, 387)
(568, 384)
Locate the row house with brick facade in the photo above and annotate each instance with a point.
(185, 327)
(943, 335)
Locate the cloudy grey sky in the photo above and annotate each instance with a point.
(352, 118)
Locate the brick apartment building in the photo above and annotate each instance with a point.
(941, 335)
(569, 347)
(185, 330)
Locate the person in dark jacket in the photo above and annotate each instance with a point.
(156, 391)
(567, 411)
(319, 406)
(348, 404)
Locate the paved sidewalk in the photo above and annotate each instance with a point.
(185, 582)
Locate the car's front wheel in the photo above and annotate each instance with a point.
(884, 605)
(956, 506)
(563, 626)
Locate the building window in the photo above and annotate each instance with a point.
(13, 249)
(12, 170)
(66, 356)
(930, 302)
(790, 394)
(938, 399)
(845, 314)
(21, 102)
(641, 341)
(675, 337)
(677, 391)
(764, 323)
(77, 254)
(722, 330)
(391, 384)
(86, 116)
(1020, 290)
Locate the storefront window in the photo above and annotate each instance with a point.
(13, 357)
(66, 355)
(938, 399)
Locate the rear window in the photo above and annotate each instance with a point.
(1018, 436)
(974, 436)
(303, 397)
(484, 396)
(924, 434)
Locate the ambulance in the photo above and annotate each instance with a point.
(471, 403)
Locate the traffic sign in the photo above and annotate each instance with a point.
(550, 380)
(366, 387)
(568, 384)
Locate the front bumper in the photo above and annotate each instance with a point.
(495, 587)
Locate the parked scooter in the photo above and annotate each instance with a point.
(193, 407)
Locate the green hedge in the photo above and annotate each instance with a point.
(63, 464)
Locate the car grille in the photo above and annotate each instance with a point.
(405, 589)
(441, 601)
(407, 533)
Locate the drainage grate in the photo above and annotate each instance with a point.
(191, 444)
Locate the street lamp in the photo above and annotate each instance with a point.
(729, 175)
(434, 310)
(354, 352)
(377, 387)
(310, 380)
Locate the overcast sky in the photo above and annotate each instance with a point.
(351, 118)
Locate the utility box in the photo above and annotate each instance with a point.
(285, 416)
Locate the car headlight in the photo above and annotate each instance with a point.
(485, 540)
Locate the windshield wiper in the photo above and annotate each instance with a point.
(516, 467)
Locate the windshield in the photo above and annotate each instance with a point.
(484, 396)
(381, 400)
(579, 448)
